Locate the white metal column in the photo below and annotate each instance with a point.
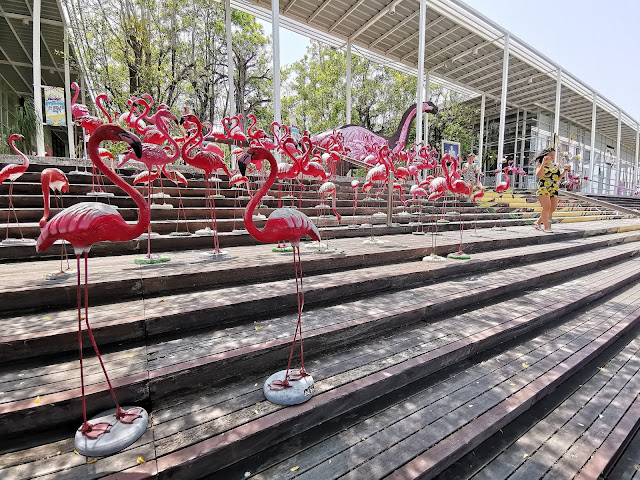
(275, 25)
(618, 154)
(420, 92)
(503, 97)
(481, 139)
(635, 171)
(67, 94)
(37, 79)
(556, 119)
(231, 68)
(427, 97)
(592, 153)
(524, 136)
(348, 83)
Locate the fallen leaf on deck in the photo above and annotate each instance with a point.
(258, 328)
(256, 385)
(75, 451)
(581, 425)
(295, 468)
(141, 460)
(37, 400)
(600, 416)
(93, 461)
(512, 384)
(525, 456)
(256, 412)
(47, 318)
(129, 355)
(470, 406)
(160, 301)
(524, 365)
(58, 453)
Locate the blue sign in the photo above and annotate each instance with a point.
(452, 148)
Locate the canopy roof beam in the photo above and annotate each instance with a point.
(374, 19)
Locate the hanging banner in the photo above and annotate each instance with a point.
(54, 106)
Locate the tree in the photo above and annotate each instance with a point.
(454, 121)
(315, 92)
(173, 49)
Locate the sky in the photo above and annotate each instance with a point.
(596, 41)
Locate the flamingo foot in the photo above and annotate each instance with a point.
(128, 416)
(111, 431)
(94, 430)
(295, 389)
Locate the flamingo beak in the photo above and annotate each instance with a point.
(137, 148)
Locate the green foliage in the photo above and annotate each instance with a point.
(453, 122)
(24, 124)
(174, 50)
(315, 92)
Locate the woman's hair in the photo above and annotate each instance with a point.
(544, 153)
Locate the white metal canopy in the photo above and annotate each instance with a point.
(16, 45)
(464, 51)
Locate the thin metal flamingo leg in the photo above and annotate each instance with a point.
(124, 416)
(13, 209)
(89, 430)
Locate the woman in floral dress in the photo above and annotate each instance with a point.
(549, 176)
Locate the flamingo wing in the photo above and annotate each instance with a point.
(84, 224)
(290, 224)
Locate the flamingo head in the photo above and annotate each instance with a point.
(115, 133)
(254, 154)
(15, 136)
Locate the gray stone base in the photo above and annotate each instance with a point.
(119, 437)
(299, 392)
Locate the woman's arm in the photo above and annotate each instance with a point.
(539, 170)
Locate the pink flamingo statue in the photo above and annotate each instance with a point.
(82, 225)
(209, 162)
(54, 179)
(177, 179)
(501, 188)
(457, 187)
(13, 172)
(282, 224)
(354, 186)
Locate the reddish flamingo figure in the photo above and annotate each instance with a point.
(283, 224)
(328, 189)
(78, 110)
(84, 224)
(501, 188)
(54, 179)
(209, 162)
(457, 187)
(178, 179)
(354, 185)
(417, 194)
(13, 172)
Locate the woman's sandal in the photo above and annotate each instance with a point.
(536, 226)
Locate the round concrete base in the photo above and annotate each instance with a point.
(282, 249)
(319, 247)
(78, 172)
(239, 231)
(259, 217)
(58, 276)
(27, 242)
(299, 392)
(179, 234)
(459, 256)
(353, 226)
(433, 258)
(151, 260)
(144, 236)
(498, 229)
(216, 256)
(374, 241)
(418, 233)
(161, 195)
(160, 206)
(442, 221)
(119, 436)
(205, 232)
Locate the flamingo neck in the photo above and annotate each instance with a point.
(255, 200)
(25, 159)
(76, 92)
(99, 100)
(163, 130)
(145, 213)
(45, 194)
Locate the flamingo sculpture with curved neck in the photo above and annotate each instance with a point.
(78, 110)
(54, 179)
(356, 137)
(209, 162)
(13, 172)
(84, 224)
(283, 224)
(459, 187)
